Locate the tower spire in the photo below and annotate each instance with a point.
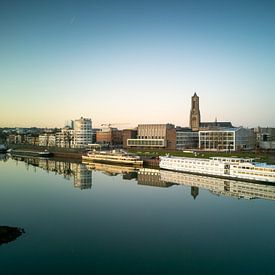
(195, 117)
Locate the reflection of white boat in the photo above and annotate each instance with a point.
(113, 157)
(236, 168)
(220, 186)
(111, 169)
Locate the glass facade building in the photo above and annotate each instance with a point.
(227, 139)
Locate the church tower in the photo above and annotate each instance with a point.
(194, 191)
(195, 117)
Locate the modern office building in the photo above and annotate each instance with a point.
(227, 139)
(154, 136)
(186, 139)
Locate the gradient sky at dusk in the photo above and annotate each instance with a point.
(136, 61)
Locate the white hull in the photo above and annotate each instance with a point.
(218, 167)
(117, 161)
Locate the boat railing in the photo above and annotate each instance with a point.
(233, 160)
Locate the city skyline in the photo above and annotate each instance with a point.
(134, 63)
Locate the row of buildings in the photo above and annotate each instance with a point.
(208, 136)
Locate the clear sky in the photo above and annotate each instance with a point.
(136, 61)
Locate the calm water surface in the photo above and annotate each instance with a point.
(80, 220)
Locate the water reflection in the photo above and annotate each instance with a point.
(128, 172)
(152, 177)
(81, 173)
(82, 177)
(218, 186)
(3, 157)
(165, 179)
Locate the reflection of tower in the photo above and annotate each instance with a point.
(195, 117)
(194, 191)
(82, 176)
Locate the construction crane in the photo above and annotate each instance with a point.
(112, 124)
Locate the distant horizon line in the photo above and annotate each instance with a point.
(131, 127)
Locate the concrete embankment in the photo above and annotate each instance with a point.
(56, 152)
(73, 154)
(69, 155)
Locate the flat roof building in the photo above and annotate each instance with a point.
(154, 136)
(186, 139)
(227, 139)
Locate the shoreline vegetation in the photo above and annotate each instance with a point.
(151, 154)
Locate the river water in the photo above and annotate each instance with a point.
(102, 219)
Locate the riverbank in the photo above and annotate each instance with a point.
(260, 156)
(63, 153)
(150, 157)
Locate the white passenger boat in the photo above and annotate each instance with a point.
(113, 157)
(237, 168)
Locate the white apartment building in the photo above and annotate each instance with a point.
(82, 132)
(65, 138)
(47, 139)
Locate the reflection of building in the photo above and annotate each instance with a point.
(3, 157)
(151, 177)
(81, 175)
(234, 188)
(194, 191)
